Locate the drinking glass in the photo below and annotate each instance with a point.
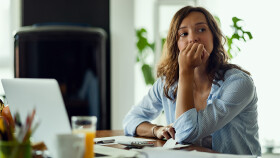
(85, 125)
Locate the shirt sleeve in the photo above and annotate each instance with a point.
(235, 94)
(148, 109)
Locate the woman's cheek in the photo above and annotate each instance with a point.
(181, 45)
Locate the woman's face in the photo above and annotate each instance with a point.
(194, 29)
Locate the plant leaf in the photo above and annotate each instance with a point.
(249, 34)
(148, 75)
(162, 42)
(236, 36)
(238, 49)
(230, 40)
(152, 46)
(243, 38)
(142, 42)
(229, 55)
(217, 20)
(235, 20)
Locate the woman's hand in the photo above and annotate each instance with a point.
(192, 56)
(165, 132)
(205, 55)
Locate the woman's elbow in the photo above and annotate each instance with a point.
(186, 136)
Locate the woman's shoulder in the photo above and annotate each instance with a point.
(160, 86)
(160, 80)
(237, 76)
(236, 73)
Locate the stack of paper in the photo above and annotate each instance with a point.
(163, 153)
(120, 138)
(155, 152)
(114, 152)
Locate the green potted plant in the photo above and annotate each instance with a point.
(145, 48)
(239, 34)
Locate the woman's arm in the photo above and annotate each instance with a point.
(189, 58)
(137, 120)
(147, 110)
(185, 99)
(233, 96)
(147, 129)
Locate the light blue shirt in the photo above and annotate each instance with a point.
(230, 116)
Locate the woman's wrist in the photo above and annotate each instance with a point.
(154, 130)
(186, 72)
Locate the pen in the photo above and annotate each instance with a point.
(105, 141)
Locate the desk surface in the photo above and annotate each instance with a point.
(108, 133)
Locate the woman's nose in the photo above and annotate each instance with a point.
(193, 38)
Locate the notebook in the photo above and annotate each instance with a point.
(44, 95)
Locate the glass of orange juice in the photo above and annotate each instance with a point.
(85, 125)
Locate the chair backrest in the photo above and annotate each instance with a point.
(73, 55)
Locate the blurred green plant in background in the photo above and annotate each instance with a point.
(238, 35)
(145, 48)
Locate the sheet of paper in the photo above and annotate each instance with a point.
(166, 153)
(180, 146)
(170, 143)
(114, 152)
(121, 138)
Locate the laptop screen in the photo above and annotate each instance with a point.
(23, 95)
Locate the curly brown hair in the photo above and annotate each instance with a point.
(217, 63)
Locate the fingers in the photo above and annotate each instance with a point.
(205, 55)
(171, 132)
(193, 49)
(199, 50)
(168, 132)
(187, 48)
(191, 56)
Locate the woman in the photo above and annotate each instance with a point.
(205, 99)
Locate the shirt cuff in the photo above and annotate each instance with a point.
(185, 125)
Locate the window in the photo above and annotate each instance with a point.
(5, 48)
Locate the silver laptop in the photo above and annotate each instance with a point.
(23, 95)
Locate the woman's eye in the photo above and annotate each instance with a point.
(183, 34)
(201, 30)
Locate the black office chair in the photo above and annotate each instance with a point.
(76, 57)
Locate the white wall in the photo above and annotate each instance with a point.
(143, 18)
(122, 32)
(10, 21)
(260, 56)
